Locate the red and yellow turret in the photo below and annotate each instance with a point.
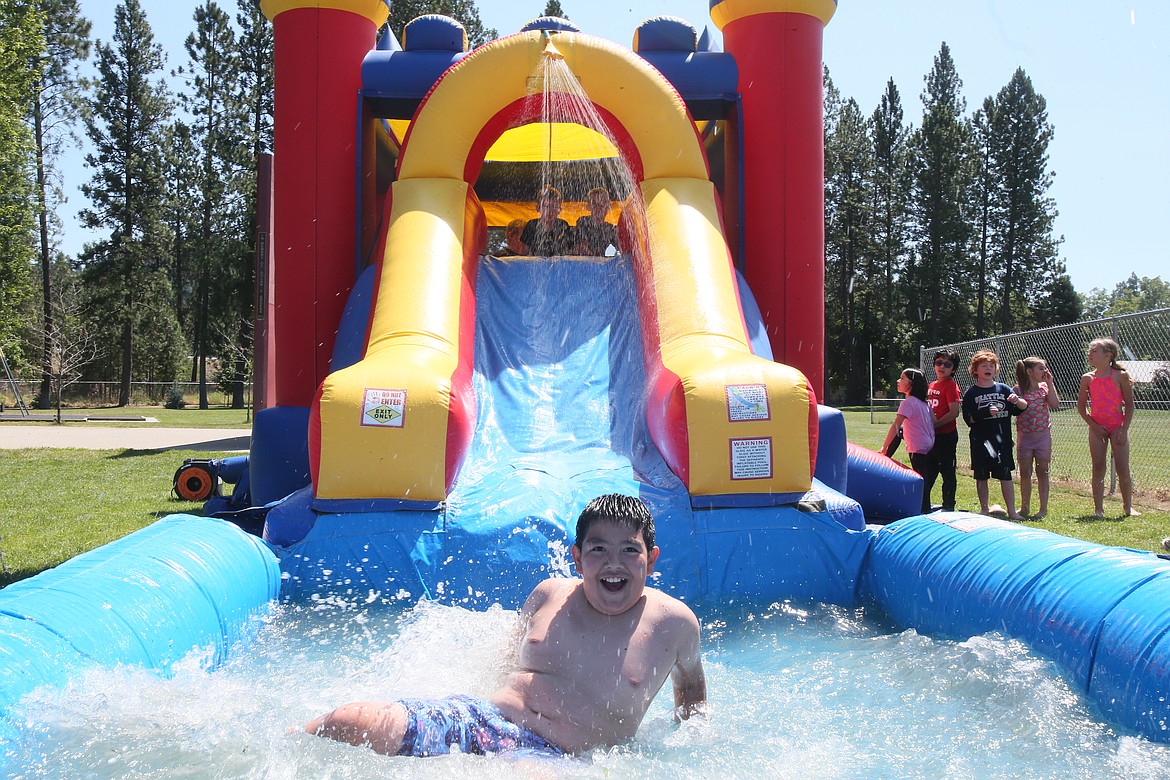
(320, 45)
(777, 46)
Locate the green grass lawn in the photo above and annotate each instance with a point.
(214, 417)
(58, 503)
(1070, 504)
(55, 504)
(1149, 445)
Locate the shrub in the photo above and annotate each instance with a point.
(174, 397)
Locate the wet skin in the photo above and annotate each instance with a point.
(596, 651)
(592, 654)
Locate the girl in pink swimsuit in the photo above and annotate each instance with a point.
(1105, 404)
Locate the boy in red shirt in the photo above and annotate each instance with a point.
(945, 399)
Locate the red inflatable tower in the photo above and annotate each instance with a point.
(320, 45)
(777, 47)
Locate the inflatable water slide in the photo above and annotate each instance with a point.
(456, 371)
(435, 416)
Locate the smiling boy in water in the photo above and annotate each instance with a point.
(594, 653)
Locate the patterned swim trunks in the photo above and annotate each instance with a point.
(434, 726)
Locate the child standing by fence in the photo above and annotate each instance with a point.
(987, 405)
(945, 399)
(916, 422)
(1105, 403)
(1034, 430)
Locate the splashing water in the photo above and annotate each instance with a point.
(558, 348)
(795, 692)
(563, 102)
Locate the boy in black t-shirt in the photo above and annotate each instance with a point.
(988, 407)
(548, 236)
(594, 234)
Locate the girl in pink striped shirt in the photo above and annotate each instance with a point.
(1034, 430)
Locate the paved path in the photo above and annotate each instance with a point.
(87, 436)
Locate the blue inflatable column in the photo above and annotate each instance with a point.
(148, 599)
(1101, 613)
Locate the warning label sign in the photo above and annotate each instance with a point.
(751, 458)
(747, 402)
(384, 408)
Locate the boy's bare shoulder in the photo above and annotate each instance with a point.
(552, 588)
(665, 599)
(671, 610)
(555, 584)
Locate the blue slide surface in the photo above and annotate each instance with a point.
(559, 378)
(560, 388)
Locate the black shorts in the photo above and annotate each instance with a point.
(989, 460)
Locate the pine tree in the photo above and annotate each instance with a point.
(255, 46)
(1022, 227)
(181, 160)
(124, 119)
(55, 105)
(849, 249)
(832, 112)
(1058, 303)
(892, 185)
(256, 95)
(219, 120)
(986, 201)
(553, 8)
(942, 188)
(21, 42)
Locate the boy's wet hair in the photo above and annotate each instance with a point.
(549, 191)
(628, 511)
(515, 227)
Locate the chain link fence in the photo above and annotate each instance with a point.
(1144, 339)
(98, 394)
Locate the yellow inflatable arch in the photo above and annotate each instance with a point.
(397, 424)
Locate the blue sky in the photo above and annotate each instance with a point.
(1103, 66)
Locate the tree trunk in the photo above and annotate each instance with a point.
(127, 360)
(201, 335)
(203, 404)
(44, 393)
(981, 284)
(241, 367)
